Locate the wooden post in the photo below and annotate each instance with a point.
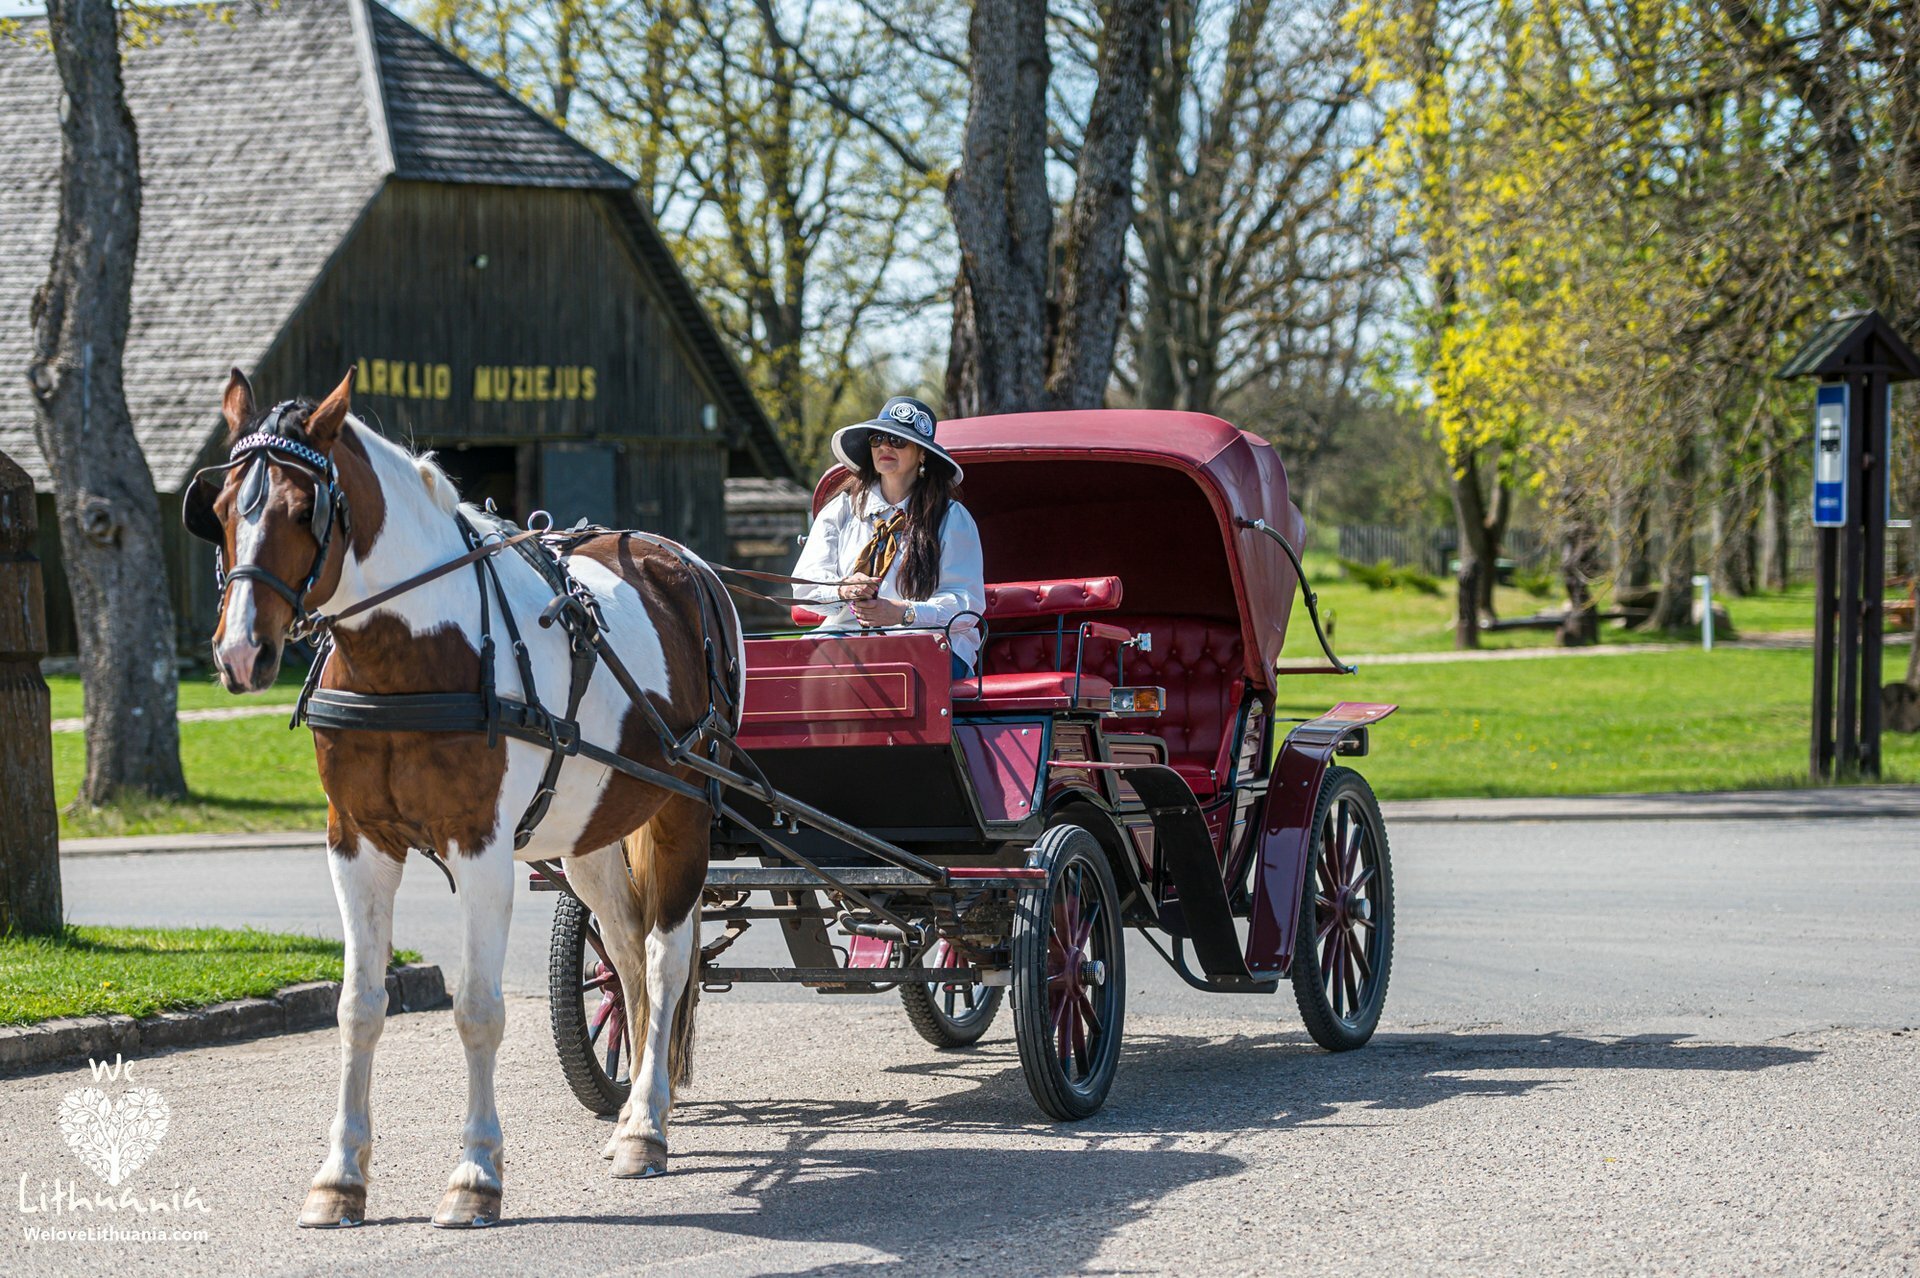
(1826, 564)
(1852, 541)
(1873, 497)
(29, 822)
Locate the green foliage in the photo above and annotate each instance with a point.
(93, 971)
(1541, 585)
(1386, 575)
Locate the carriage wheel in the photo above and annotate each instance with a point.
(1069, 975)
(949, 1014)
(1343, 950)
(589, 1014)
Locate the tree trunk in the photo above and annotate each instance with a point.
(109, 513)
(1470, 516)
(1674, 609)
(1495, 539)
(1002, 214)
(1037, 342)
(29, 822)
(1578, 570)
(1776, 547)
(1093, 239)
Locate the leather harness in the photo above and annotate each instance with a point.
(487, 710)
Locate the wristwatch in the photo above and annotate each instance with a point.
(906, 617)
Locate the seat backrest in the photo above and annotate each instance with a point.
(1201, 664)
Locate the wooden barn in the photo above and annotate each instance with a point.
(327, 188)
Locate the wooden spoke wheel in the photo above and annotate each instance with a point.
(949, 1013)
(589, 1014)
(1343, 950)
(1069, 975)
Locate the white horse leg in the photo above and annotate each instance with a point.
(600, 878)
(486, 882)
(641, 1144)
(364, 881)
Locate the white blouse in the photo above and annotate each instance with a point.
(833, 548)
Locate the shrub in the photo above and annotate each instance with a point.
(1387, 575)
(1541, 585)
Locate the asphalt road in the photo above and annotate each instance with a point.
(1610, 1047)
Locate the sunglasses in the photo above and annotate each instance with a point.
(877, 440)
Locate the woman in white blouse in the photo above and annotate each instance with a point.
(902, 550)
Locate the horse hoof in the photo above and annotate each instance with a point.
(640, 1158)
(334, 1207)
(463, 1208)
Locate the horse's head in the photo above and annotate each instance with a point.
(277, 514)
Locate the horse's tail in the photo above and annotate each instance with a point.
(642, 852)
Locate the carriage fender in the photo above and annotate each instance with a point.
(1285, 830)
(1086, 808)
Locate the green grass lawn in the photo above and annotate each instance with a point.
(1690, 720)
(244, 774)
(197, 692)
(1406, 620)
(89, 971)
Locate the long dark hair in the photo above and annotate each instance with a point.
(926, 509)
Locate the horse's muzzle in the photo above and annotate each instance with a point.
(247, 665)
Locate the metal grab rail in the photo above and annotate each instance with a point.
(1313, 600)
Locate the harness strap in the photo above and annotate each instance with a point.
(336, 710)
(420, 579)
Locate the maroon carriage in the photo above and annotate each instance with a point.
(1113, 766)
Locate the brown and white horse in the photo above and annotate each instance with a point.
(636, 853)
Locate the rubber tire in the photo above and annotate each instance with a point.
(1328, 1029)
(1032, 926)
(931, 1022)
(579, 1062)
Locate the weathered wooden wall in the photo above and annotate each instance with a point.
(559, 335)
(561, 320)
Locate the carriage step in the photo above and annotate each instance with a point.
(863, 876)
(716, 976)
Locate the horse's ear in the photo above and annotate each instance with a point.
(324, 422)
(237, 404)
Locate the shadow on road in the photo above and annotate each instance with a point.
(1180, 1105)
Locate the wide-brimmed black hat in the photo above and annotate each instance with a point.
(904, 418)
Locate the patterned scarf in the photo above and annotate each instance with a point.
(878, 555)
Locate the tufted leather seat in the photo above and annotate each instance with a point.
(1038, 690)
(1200, 664)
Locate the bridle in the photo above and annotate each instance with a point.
(330, 513)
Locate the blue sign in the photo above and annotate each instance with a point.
(1831, 426)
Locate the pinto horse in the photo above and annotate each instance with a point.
(337, 524)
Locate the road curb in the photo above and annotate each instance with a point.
(413, 987)
(1809, 804)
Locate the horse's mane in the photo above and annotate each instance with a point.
(439, 486)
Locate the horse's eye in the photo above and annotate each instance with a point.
(306, 516)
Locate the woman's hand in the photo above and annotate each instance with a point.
(880, 612)
(859, 586)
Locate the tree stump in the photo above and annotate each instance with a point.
(29, 822)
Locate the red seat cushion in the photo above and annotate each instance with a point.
(1034, 690)
(1199, 777)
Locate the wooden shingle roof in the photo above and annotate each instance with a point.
(448, 123)
(262, 140)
